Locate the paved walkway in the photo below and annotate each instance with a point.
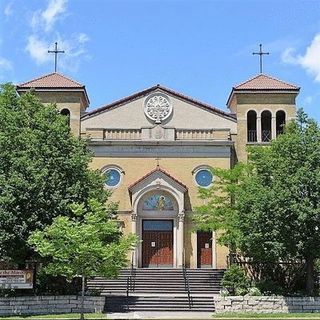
(161, 315)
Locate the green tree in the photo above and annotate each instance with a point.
(87, 245)
(43, 168)
(219, 213)
(276, 208)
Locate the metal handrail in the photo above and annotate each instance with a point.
(186, 280)
(130, 280)
(132, 274)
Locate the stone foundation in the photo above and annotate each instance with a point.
(267, 304)
(31, 305)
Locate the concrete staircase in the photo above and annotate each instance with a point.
(160, 290)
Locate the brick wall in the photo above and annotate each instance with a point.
(30, 305)
(264, 304)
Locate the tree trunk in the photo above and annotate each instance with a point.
(310, 276)
(82, 298)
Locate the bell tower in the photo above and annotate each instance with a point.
(263, 105)
(69, 96)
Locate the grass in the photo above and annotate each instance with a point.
(253, 315)
(216, 316)
(58, 316)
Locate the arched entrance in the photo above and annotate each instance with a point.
(157, 212)
(158, 220)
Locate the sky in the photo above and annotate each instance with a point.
(196, 47)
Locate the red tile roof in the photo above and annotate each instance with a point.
(262, 82)
(157, 169)
(265, 82)
(163, 89)
(51, 80)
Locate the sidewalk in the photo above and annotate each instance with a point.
(161, 315)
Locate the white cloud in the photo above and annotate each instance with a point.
(45, 19)
(8, 9)
(50, 15)
(82, 38)
(310, 61)
(5, 64)
(38, 49)
(44, 34)
(69, 61)
(74, 51)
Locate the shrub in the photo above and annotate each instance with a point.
(235, 280)
(254, 291)
(268, 287)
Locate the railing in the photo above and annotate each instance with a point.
(131, 280)
(202, 134)
(252, 135)
(122, 134)
(186, 280)
(266, 135)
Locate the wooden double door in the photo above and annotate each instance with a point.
(204, 254)
(157, 243)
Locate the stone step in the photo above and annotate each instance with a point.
(146, 303)
(160, 290)
(156, 281)
(110, 292)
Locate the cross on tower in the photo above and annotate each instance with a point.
(260, 53)
(56, 52)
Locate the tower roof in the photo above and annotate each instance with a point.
(262, 83)
(53, 82)
(265, 82)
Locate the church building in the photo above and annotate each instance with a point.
(156, 148)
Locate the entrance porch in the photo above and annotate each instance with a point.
(158, 218)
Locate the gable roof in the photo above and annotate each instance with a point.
(263, 82)
(157, 169)
(145, 92)
(51, 80)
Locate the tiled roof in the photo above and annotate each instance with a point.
(265, 82)
(157, 169)
(51, 80)
(139, 94)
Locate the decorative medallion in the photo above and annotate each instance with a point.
(157, 107)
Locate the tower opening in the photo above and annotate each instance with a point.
(280, 121)
(266, 118)
(252, 126)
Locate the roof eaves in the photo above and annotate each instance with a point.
(62, 89)
(158, 169)
(157, 87)
(279, 90)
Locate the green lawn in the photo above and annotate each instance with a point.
(252, 315)
(224, 316)
(59, 316)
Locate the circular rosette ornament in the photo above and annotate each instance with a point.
(157, 107)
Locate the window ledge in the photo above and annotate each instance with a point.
(258, 143)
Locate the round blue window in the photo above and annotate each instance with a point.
(112, 177)
(204, 178)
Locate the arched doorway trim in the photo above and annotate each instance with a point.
(159, 182)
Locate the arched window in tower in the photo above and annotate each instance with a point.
(280, 121)
(66, 113)
(266, 118)
(252, 126)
